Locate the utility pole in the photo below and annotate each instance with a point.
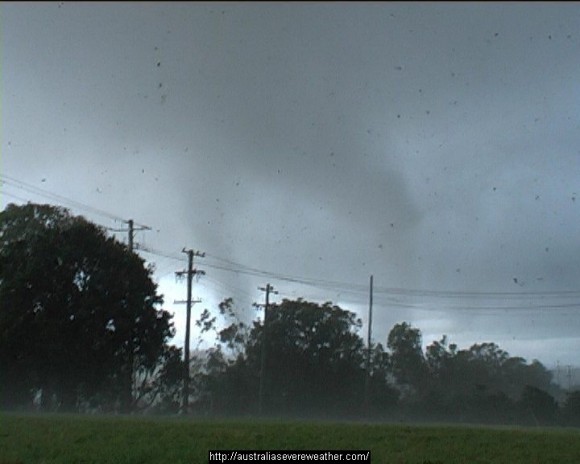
(369, 349)
(190, 273)
(131, 230)
(268, 289)
(131, 234)
(132, 361)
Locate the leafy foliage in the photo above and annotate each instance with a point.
(81, 328)
(314, 363)
(78, 312)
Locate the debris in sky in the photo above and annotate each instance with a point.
(270, 111)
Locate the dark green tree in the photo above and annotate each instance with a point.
(571, 408)
(160, 390)
(79, 312)
(482, 383)
(224, 381)
(539, 404)
(383, 396)
(315, 361)
(408, 363)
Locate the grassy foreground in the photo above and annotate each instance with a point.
(52, 439)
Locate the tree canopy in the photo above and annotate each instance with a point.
(79, 314)
(314, 363)
(81, 327)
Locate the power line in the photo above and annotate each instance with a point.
(400, 296)
(16, 197)
(228, 265)
(16, 183)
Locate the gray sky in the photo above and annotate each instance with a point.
(433, 145)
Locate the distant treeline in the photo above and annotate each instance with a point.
(316, 367)
(82, 329)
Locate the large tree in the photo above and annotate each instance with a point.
(314, 363)
(79, 312)
(315, 358)
(408, 363)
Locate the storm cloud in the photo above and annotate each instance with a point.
(435, 146)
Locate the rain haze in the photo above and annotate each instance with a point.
(435, 146)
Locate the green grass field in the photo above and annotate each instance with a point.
(52, 439)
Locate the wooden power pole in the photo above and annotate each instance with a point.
(190, 272)
(369, 350)
(264, 357)
(132, 368)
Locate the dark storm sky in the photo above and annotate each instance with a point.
(433, 145)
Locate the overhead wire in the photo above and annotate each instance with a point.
(399, 297)
(21, 185)
(16, 197)
(396, 296)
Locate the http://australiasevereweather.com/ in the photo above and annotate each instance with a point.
(223, 456)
